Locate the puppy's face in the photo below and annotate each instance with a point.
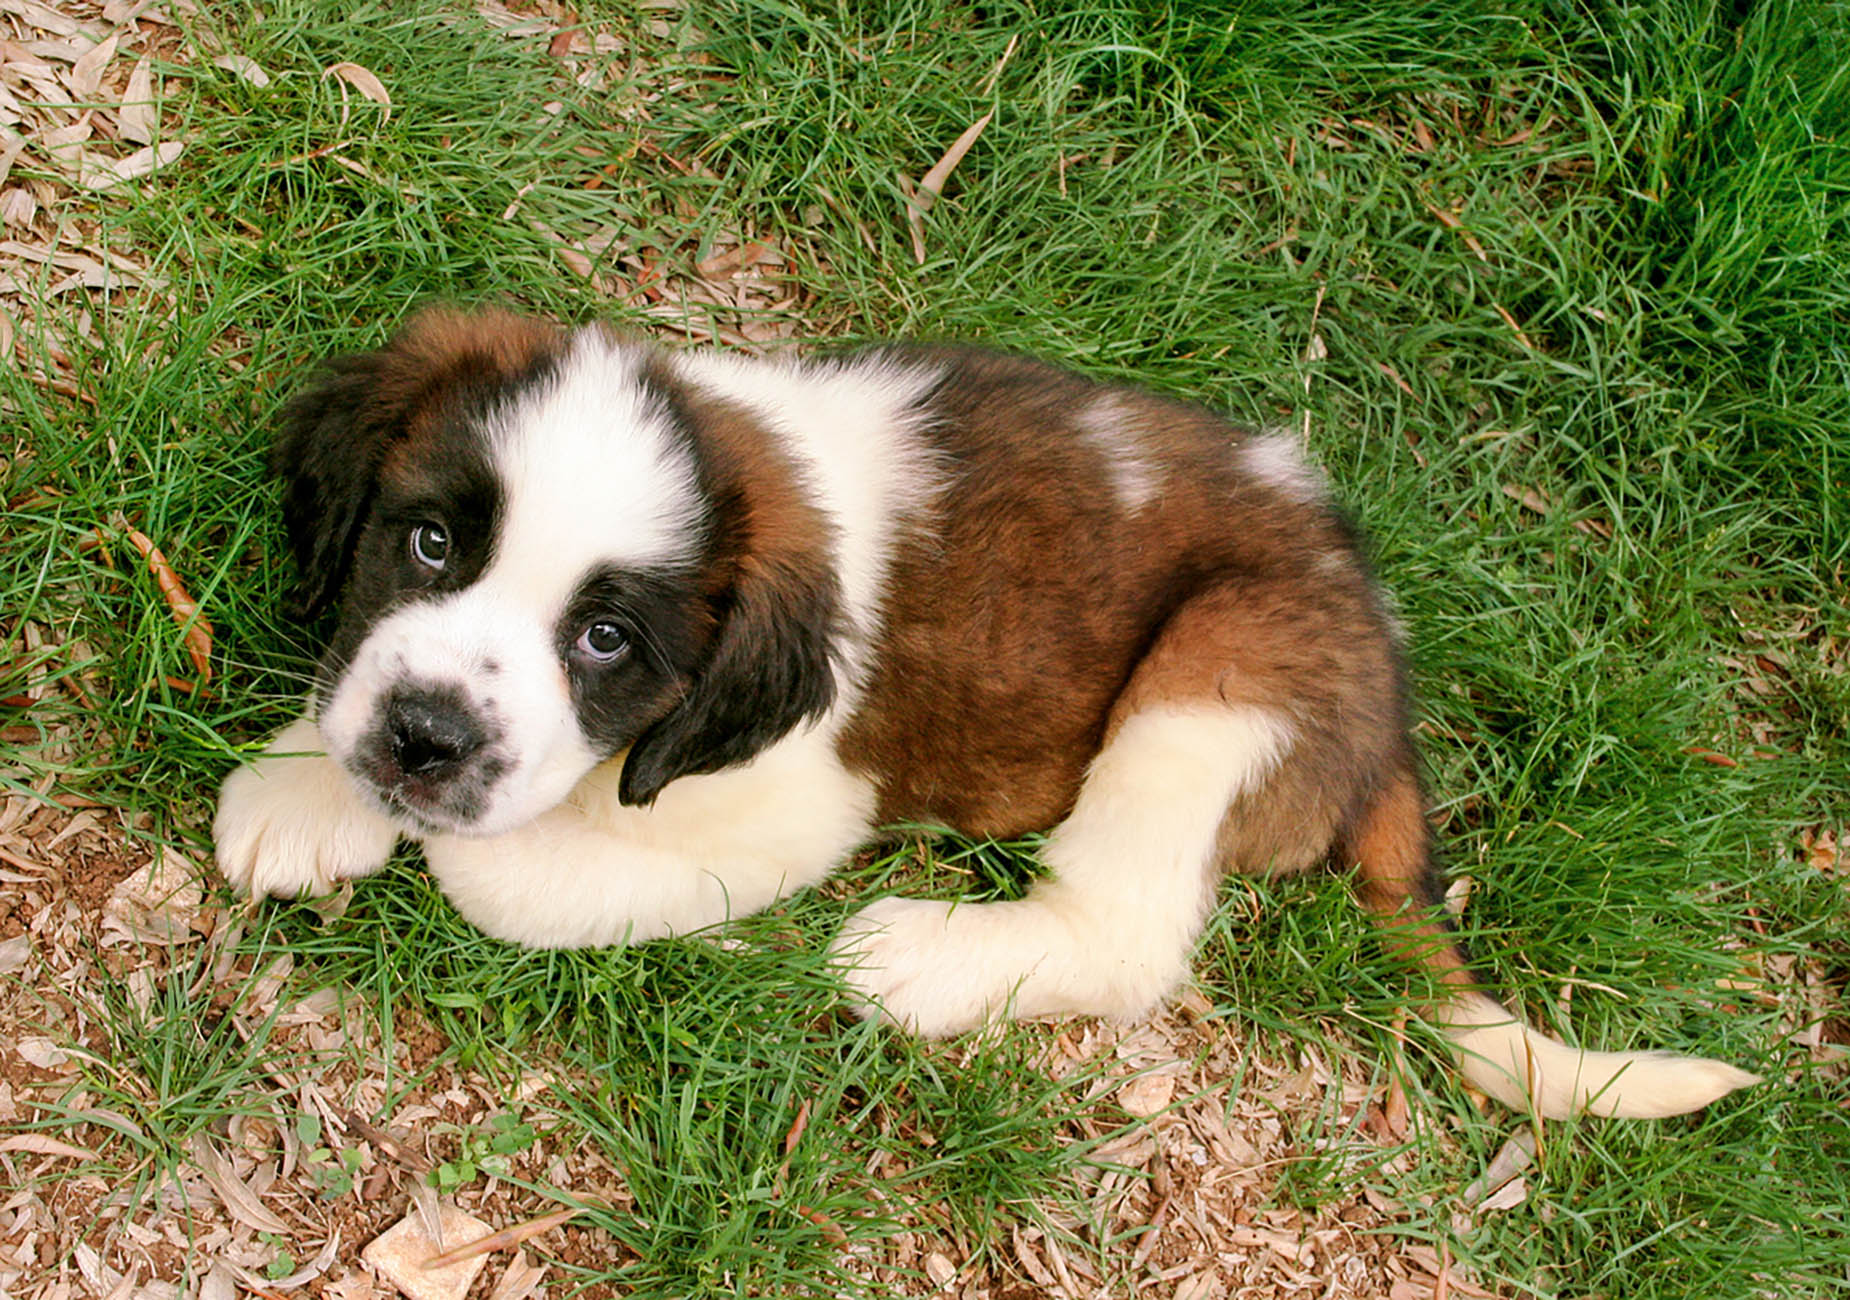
(535, 573)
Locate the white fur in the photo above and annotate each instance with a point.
(1132, 878)
(451, 642)
(292, 822)
(588, 475)
(1108, 425)
(593, 872)
(1523, 1068)
(1277, 460)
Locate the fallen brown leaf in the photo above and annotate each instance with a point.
(1394, 374)
(1531, 498)
(365, 81)
(194, 625)
(136, 117)
(1511, 322)
(39, 1145)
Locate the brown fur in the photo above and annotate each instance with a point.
(440, 356)
(1014, 626)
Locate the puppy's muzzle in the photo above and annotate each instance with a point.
(431, 754)
(431, 733)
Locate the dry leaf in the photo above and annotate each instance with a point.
(1511, 1159)
(45, 18)
(933, 182)
(245, 67)
(159, 904)
(1390, 1124)
(18, 207)
(239, 1200)
(96, 172)
(1531, 498)
(1147, 1094)
(197, 629)
(42, 1052)
(919, 203)
(1394, 374)
(1511, 1194)
(64, 144)
(40, 1145)
(733, 260)
(219, 1284)
(356, 1285)
(87, 72)
(521, 1280)
(308, 1273)
(1510, 320)
(1199, 1287)
(136, 118)
(363, 80)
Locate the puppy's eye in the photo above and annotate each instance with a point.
(602, 641)
(430, 545)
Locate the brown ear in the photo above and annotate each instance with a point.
(770, 665)
(337, 433)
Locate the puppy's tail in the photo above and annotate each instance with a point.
(1519, 1066)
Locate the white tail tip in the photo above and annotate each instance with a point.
(1526, 1069)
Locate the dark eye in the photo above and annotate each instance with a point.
(430, 545)
(602, 641)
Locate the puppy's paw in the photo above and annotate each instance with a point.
(291, 824)
(935, 968)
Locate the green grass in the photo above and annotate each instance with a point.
(1660, 193)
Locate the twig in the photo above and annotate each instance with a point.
(502, 1240)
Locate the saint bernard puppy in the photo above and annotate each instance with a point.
(636, 641)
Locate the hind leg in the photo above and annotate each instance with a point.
(1131, 881)
(1131, 869)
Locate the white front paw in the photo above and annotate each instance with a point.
(292, 824)
(938, 969)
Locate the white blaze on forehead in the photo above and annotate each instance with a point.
(1109, 426)
(589, 475)
(1276, 460)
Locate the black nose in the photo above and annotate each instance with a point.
(431, 732)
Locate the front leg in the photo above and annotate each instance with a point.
(592, 872)
(293, 823)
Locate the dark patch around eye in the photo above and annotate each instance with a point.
(461, 493)
(661, 611)
(668, 622)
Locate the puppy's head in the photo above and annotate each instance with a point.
(546, 550)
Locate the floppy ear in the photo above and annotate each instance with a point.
(769, 670)
(769, 667)
(337, 434)
(334, 438)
